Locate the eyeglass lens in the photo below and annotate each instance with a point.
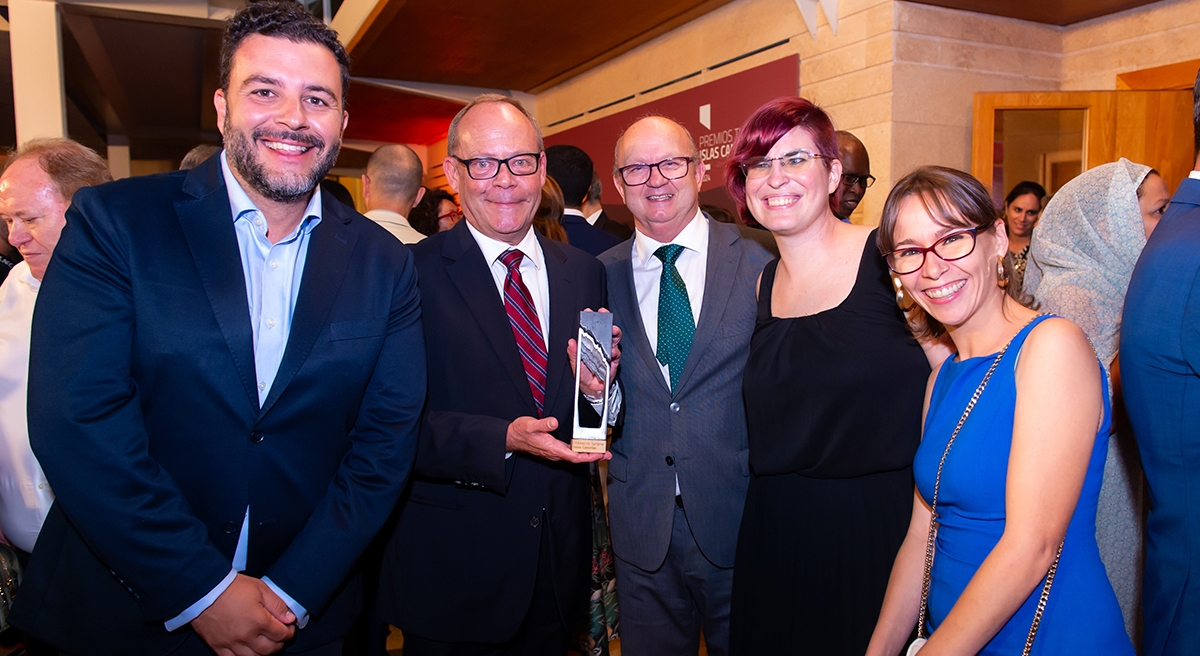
(760, 167)
(486, 168)
(953, 246)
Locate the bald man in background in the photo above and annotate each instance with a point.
(392, 187)
(856, 175)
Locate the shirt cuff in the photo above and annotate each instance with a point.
(193, 611)
(298, 610)
(614, 403)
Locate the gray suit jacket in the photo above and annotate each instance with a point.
(697, 433)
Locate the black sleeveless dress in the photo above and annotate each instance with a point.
(833, 402)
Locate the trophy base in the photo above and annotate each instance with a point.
(589, 446)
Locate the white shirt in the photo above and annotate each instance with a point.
(647, 272)
(1195, 175)
(25, 496)
(594, 217)
(397, 224)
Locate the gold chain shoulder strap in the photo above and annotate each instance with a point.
(937, 483)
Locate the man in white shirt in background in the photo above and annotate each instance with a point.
(392, 187)
(35, 191)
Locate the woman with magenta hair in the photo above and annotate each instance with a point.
(1000, 557)
(833, 388)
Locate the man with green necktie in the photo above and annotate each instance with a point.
(683, 291)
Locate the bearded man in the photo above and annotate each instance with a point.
(225, 379)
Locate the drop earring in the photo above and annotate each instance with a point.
(1001, 274)
(901, 300)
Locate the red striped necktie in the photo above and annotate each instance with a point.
(522, 315)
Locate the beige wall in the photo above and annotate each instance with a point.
(1096, 51)
(899, 75)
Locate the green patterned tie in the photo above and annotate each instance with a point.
(675, 324)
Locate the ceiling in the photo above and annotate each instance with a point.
(149, 79)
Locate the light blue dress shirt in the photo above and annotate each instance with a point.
(273, 274)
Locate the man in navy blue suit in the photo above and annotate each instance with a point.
(1160, 379)
(225, 380)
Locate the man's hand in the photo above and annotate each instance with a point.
(591, 386)
(247, 619)
(533, 437)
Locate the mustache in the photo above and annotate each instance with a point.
(304, 138)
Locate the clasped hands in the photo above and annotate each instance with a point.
(247, 619)
(533, 436)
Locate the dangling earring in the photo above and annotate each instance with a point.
(1001, 274)
(900, 299)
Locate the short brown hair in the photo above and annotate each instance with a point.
(952, 198)
(69, 164)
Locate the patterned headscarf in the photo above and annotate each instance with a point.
(1084, 249)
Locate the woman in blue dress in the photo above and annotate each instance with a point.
(1018, 481)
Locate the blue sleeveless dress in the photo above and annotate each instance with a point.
(1082, 615)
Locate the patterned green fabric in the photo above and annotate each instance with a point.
(676, 327)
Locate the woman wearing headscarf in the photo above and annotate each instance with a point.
(1081, 257)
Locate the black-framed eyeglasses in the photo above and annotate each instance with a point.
(954, 246)
(849, 180)
(486, 168)
(671, 168)
(793, 162)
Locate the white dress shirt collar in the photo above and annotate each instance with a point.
(240, 203)
(571, 210)
(594, 216)
(494, 248)
(693, 237)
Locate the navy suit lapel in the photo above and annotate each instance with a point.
(624, 302)
(564, 321)
(207, 223)
(329, 249)
(718, 281)
(472, 277)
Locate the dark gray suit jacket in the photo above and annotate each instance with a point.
(697, 433)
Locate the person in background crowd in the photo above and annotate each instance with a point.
(35, 191)
(1016, 432)
(833, 400)
(492, 549)
(1160, 380)
(683, 288)
(856, 175)
(197, 155)
(548, 218)
(572, 170)
(594, 212)
(1022, 207)
(1080, 260)
(392, 188)
(225, 379)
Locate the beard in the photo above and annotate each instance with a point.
(278, 187)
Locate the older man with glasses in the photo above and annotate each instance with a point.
(492, 548)
(683, 290)
(856, 175)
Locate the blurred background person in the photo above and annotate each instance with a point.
(856, 175)
(1011, 458)
(572, 171)
(833, 389)
(35, 192)
(197, 155)
(1082, 255)
(548, 217)
(392, 188)
(436, 212)
(593, 211)
(1022, 207)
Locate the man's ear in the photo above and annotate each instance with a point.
(420, 195)
(219, 103)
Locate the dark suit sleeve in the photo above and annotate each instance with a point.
(86, 425)
(372, 474)
(464, 448)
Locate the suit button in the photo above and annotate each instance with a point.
(256, 437)
(674, 407)
(229, 527)
(670, 461)
(535, 521)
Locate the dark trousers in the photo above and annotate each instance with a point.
(541, 634)
(664, 611)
